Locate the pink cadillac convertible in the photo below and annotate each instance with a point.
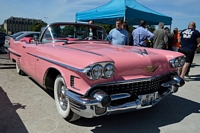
(91, 77)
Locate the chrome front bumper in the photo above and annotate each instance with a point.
(87, 107)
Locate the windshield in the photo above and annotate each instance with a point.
(75, 31)
(16, 35)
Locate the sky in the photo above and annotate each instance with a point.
(181, 11)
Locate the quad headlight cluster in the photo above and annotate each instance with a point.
(100, 70)
(177, 62)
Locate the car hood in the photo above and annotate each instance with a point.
(131, 61)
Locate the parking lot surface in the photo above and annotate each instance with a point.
(26, 107)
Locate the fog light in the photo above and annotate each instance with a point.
(99, 110)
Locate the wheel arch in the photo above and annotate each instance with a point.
(49, 77)
(13, 60)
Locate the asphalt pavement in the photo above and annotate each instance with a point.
(26, 108)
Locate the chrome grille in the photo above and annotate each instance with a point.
(137, 88)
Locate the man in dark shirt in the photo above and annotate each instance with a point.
(189, 39)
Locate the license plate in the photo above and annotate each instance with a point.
(147, 99)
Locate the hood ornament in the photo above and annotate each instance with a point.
(143, 52)
(150, 69)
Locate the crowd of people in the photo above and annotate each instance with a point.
(185, 41)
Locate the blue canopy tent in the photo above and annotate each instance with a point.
(128, 10)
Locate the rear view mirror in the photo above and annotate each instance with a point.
(35, 38)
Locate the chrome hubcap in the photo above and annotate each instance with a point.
(61, 96)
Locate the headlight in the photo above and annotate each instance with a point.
(177, 62)
(182, 61)
(108, 71)
(97, 72)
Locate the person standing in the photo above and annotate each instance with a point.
(160, 40)
(141, 35)
(125, 26)
(189, 39)
(118, 35)
(176, 42)
(170, 38)
(91, 22)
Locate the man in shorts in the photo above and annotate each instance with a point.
(189, 39)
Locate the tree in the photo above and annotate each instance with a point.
(107, 27)
(37, 26)
(2, 30)
(151, 28)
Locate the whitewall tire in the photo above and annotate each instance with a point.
(62, 102)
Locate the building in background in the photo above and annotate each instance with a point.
(16, 24)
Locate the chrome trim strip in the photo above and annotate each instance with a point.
(61, 64)
(119, 96)
(82, 100)
(169, 83)
(14, 53)
(58, 63)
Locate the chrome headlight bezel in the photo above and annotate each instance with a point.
(177, 62)
(103, 67)
(96, 72)
(182, 61)
(108, 67)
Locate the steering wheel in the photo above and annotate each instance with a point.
(92, 37)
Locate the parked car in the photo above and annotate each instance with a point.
(2, 40)
(17, 36)
(92, 78)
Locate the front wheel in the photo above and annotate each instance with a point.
(62, 102)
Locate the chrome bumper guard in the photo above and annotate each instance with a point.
(87, 107)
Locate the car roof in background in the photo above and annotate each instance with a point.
(22, 32)
(25, 34)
